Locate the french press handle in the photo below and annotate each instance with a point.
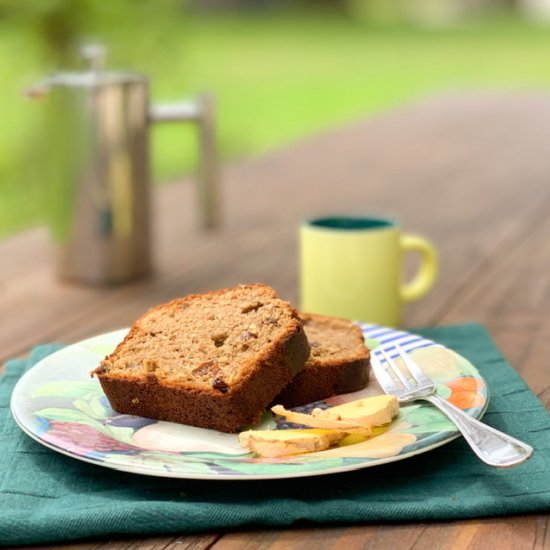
(200, 111)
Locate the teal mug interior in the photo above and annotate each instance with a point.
(350, 223)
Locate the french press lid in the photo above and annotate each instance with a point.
(95, 76)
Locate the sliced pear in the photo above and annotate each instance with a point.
(322, 422)
(327, 427)
(370, 411)
(276, 443)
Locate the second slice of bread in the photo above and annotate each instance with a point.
(339, 362)
(213, 360)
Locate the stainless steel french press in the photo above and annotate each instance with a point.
(98, 149)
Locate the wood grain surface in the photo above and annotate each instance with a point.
(470, 171)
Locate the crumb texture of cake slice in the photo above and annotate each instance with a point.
(339, 362)
(213, 360)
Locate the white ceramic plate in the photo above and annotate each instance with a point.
(60, 406)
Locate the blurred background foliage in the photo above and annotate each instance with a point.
(281, 70)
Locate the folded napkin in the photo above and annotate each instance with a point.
(46, 496)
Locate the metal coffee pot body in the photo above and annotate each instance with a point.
(98, 153)
(99, 175)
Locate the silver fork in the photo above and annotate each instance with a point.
(493, 447)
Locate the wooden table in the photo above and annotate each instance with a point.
(471, 171)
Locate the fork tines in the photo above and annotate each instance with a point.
(388, 372)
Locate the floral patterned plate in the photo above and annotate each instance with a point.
(59, 405)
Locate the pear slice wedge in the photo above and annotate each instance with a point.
(277, 443)
(321, 422)
(369, 412)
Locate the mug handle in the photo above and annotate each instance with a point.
(424, 279)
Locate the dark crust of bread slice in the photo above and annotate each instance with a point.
(208, 403)
(327, 375)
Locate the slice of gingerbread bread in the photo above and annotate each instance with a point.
(213, 360)
(339, 362)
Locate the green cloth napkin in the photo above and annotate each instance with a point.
(46, 496)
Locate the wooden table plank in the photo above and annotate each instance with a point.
(266, 199)
(473, 534)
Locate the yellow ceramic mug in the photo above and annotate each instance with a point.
(352, 267)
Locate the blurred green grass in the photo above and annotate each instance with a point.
(277, 79)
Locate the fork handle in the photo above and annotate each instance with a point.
(493, 447)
